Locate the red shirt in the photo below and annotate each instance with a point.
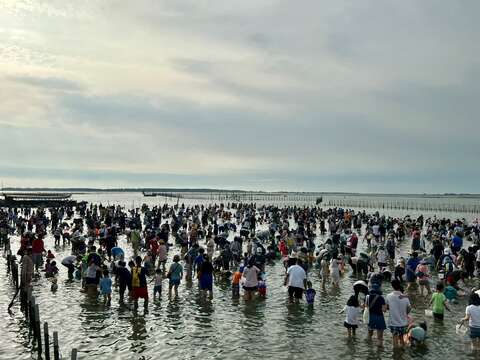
(37, 246)
(283, 248)
(154, 246)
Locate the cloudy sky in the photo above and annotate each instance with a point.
(323, 95)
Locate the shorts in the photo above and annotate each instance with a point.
(350, 326)
(140, 292)
(424, 282)
(376, 322)
(250, 288)
(381, 264)
(206, 282)
(295, 292)
(474, 332)
(90, 281)
(398, 330)
(37, 259)
(438, 316)
(157, 289)
(173, 282)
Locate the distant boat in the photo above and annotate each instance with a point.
(36, 199)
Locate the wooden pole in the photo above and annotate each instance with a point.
(38, 331)
(56, 352)
(31, 316)
(47, 341)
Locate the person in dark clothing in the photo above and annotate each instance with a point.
(206, 277)
(124, 280)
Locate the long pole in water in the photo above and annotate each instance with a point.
(47, 341)
(38, 331)
(56, 352)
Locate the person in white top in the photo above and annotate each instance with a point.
(296, 280)
(334, 272)
(472, 315)
(477, 259)
(352, 313)
(399, 307)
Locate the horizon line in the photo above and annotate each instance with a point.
(153, 189)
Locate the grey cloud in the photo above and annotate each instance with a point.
(49, 83)
(387, 95)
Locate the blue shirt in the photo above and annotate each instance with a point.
(176, 271)
(199, 260)
(106, 285)
(457, 241)
(412, 264)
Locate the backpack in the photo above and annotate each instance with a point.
(448, 265)
(136, 276)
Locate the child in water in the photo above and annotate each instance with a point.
(439, 302)
(416, 334)
(51, 270)
(262, 288)
(451, 293)
(106, 288)
(352, 312)
(310, 293)
(237, 276)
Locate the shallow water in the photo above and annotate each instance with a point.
(191, 327)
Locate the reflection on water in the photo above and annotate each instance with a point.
(192, 326)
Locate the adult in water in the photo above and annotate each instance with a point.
(69, 263)
(174, 275)
(206, 276)
(399, 307)
(376, 305)
(250, 280)
(296, 280)
(139, 283)
(472, 315)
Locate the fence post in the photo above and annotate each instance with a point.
(47, 340)
(31, 315)
(38, 331)
(74, 354)
(8, 263)
(56, 353)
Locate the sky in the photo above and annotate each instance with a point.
(323, 95)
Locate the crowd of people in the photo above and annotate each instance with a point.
(233, 243)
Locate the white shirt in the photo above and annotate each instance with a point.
(296, 276)
(382, 256)
(398, 305)
(352, 314)
(474, 313)
(91, 272)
